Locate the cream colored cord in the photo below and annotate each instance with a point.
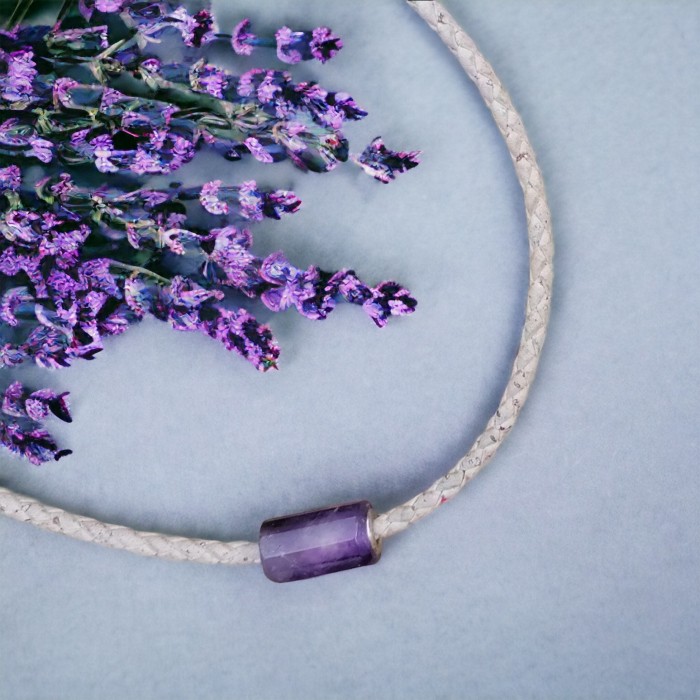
(446, 487)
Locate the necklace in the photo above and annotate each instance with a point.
(346, 536)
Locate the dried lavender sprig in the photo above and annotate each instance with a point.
(71, 293)
(187, 306)
(152, 19)
(273, 125)
(246, 200)
(384, 164)
(20, 402)
(291, 46)
(62, 49)
(25, 436)
(161, 139)
(34, 444)
(313, 292)
(199, 29)
(67, 279)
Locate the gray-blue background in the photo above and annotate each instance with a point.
(570, 568)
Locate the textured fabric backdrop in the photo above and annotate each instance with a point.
(570, 567)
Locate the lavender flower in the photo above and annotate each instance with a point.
(26, 437)
(256, 204)
(41, 149)
(103, 150)
(314, 292)
(389, 299)
(209, 199)
(320, 44)
(12, 300)
(196, 30)
(35, 444)
(229, 262)
(17, 85)
(301, 122)
(110, 98)
(80, 265)
(257, 150)
(383, 164)
(208, 79)
(241, 332)
(292, 47)
(242, 40)
(17, 401)
(324, 44)
(289, 286)
(10, 178)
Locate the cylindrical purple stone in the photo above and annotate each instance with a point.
(318, 542)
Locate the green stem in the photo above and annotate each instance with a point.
(65, 9)
(19, 13)
(122, 43)
(193, 103)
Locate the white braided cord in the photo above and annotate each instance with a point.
(30, 510)
(539, 292)
(154, 544)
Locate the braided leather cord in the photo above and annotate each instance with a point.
(30, 510)
(152, 544)
(541, 275)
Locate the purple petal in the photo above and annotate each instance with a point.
(241, 38)
(11, 300)
(276, 269)
(383, 164)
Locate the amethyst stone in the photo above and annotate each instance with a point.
(318, 542)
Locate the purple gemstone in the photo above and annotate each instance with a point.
(318, 542)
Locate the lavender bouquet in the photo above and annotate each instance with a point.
(79, 264)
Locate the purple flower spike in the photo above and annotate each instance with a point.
(196, 30)
(110, 97)
(276, 269)
(62, 186)
(383, 164)
(13, 400)
(103, 150)
(208, 79)
(292, 47)
(79, 264)
(10, 178)
(241, 332)
(184, 300)
(289, 45)
(231, 262)
(18, 402)
(389, 299)
(242, 40)
(17, 85)
(210, 200)
(280, 202)
(251, 201)
(291, 286)
(35, 444)
(320, 44)
(139, 296)
(41, 149)
(12, 355)
(40, 403)
(257, 150)
(32, 442)
(12, 299)
(324, 44)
